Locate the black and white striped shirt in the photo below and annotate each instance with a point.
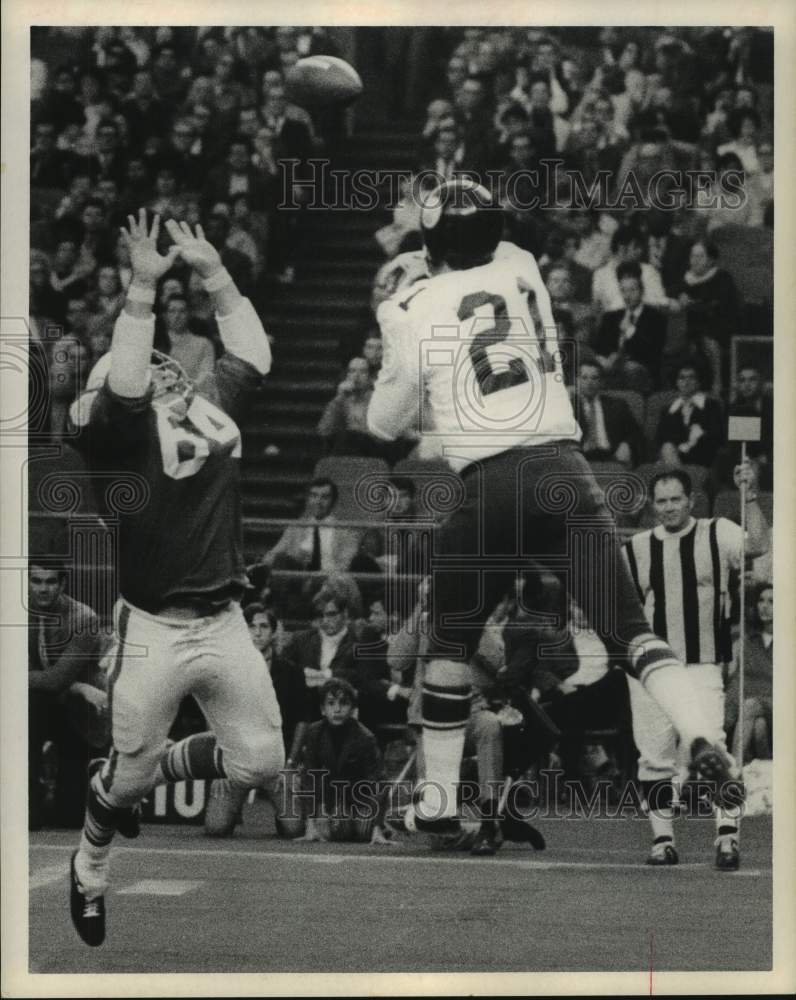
(683, 579)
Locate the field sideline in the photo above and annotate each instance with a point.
(183, 903)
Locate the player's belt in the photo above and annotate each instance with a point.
(198, 606)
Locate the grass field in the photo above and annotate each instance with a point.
(183, 903)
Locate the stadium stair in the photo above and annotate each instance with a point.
(317, 323)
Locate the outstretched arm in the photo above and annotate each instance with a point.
(241, 331)
(134, 331)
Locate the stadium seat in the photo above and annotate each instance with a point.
(59, 486)
(347, 473)
(747, 253)
(424, 472)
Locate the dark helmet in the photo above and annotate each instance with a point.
(461, 224)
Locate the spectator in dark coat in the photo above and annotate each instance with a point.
(109, 160)
(145, 113)
(292, 139)
(236, 177)
(61, 104)
(189, 167)
(629, 342)
(712, 307)
(66, 706)
(691, 428)
(50, 167)
(382, 699)
(289, 687)
(609, 429)
(338, 753)
(325, 651)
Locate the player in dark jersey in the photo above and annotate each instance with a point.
(175, 448)
(471, 357)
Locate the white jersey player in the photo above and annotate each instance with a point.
(475, 345)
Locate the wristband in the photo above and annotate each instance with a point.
(217, 280)
(142, 294)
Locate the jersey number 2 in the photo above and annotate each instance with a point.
(488, 380)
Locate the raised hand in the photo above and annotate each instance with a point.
(145, 260)
(195, 249)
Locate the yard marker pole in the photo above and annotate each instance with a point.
(743, 429)
(742, 636)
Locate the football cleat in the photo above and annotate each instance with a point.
(88, 915)
(709, 762)
(444, 826)
(485, 844)
(520, 831)
(728, 857)
(663, 854)
(128, 821)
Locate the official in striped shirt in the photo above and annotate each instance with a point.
(682, 569)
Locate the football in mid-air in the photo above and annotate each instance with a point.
(319, 81)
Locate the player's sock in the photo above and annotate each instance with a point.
(99, 827)
(446, 708)
(727, 822)
(658, 796)
(667, 680)
(197, 756)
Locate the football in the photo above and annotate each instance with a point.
(319, 81)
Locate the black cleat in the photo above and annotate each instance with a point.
(485, 845)
(445, 826)
(128, 821)
(88, 915)
(711, 763)
(663, 854)
(520, 831)
(728, 857)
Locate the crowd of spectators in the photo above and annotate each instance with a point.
(191, 123)
(651, 301)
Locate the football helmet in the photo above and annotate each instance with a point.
(169, 380)
(461, 224)
(170, 383)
